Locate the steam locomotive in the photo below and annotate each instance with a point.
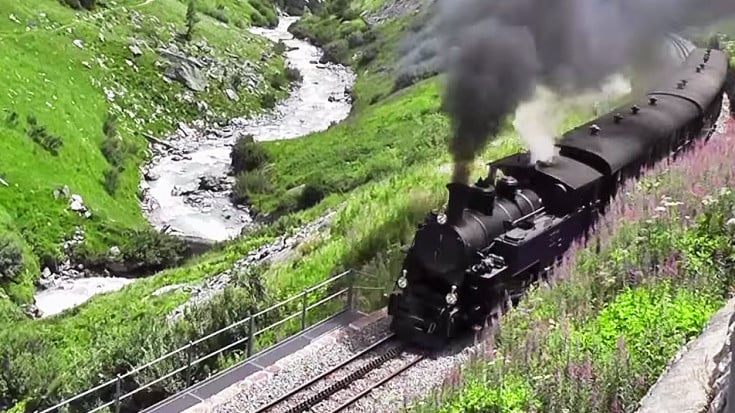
(503, 233)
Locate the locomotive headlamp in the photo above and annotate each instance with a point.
(403, 281)
(451, 298)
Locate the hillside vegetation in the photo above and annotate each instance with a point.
(382, 169)
(81, 87)
(380, 201)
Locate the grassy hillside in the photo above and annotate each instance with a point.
(375, 219)
(75, 103)
(385, 167)
(378, 140)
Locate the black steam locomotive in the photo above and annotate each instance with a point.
(499, 235)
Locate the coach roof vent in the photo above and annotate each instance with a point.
(652, 101)
(635, 109)
(594, 129)
(617, 118)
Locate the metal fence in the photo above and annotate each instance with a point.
(188, 350)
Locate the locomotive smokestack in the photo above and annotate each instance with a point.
(459, 195)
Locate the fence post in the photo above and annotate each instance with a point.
(189, 350)
(118, 390)
(304, 302)
(251, 333)
(351, 291)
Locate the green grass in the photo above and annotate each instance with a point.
(239, 13)
(45, 77)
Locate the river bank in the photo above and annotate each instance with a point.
(186, 185)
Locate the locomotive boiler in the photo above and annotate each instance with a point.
(502, 233)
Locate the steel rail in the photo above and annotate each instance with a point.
(320, 377)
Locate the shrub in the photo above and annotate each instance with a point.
(11, 118)
(151, 250)
(11, 258)
(355, 40)
(293, 74)
(514, 395)
(191, 19)
(366, 56)
(248, 155)
(115, 152)
(74, 4)
(42, 137)
(268, 101)
(311, 195)
(336, 51)
(278, 80)
(219, 14)
(279, 48)
(248, 183)
(112, 178)
(109, 128)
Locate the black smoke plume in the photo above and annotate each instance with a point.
(495, 53)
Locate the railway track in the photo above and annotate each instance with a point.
(343, 378)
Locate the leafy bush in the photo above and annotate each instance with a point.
(248, 155)
(109, 128)
(114, 151)
(80, 4)
(150, 250)
(247, 183)
(355, 39)
(279, 48)
(42, 137)
(191, 20)
(268, 101)
(311, 195)
(365, 57)
(278, 81)
(11, 258)
(293, 74)
(112, 179)
(11, 118)
(219, 14)
(336, 51)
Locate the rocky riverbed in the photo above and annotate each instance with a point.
(187, 185)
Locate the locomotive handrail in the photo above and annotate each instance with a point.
(527, 216)
(252, 333)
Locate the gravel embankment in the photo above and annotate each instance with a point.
(412, 385)
(297, 369)
(339, 397)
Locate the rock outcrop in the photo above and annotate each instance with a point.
(697, 378)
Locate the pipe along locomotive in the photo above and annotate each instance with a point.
(503, 233)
